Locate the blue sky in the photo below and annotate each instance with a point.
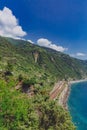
(61, 24)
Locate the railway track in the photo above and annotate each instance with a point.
(56, 90)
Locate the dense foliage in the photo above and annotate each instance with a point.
(19, 112)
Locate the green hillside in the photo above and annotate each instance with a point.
(29, 58)
(26, 68)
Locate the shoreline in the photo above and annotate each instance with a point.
(63, 98)
(77, 81)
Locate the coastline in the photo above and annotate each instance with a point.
(77, 81)
(63, 97)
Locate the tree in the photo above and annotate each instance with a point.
(20, 77)
(9, 69)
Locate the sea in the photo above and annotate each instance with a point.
(77, 105)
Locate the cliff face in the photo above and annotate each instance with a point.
(36, 56)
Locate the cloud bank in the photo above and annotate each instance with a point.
(30, 41)
(80, 54)
(9, 25)
(46, 43)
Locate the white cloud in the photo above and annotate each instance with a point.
(80, 54)
(30, 41)
(46, 43)
(9, 25)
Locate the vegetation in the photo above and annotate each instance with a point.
(27, 74)
(33, 61)
(19, 112)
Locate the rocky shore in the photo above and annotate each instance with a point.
(63, 97)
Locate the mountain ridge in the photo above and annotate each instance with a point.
(56, 63)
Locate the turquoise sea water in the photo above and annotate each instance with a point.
(77, 104)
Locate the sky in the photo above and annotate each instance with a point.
(57, 24)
